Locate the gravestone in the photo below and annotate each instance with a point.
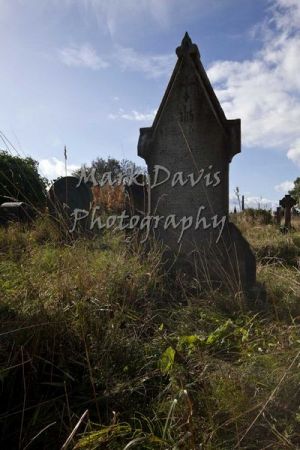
(16, 212)
(278, 215)
(287, 202)
(136, 197)
(191, 135)
(65, 196)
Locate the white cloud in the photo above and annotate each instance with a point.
(294, 152)
(252, 202)
(283, 20)
(285, 186)
(259, 202)
(112, 15)
(133, 115)
(264, 91)
(52, 168)
(82, 56)
(153, 66)
(115, 16)
(5, 9)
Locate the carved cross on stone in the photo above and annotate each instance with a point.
(186, 96)
(287, 203)
(185, 86)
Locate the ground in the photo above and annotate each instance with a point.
(101, 349)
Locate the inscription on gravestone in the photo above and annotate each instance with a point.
(193, 143)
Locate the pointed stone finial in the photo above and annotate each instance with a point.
(187, 47)
(186, 41)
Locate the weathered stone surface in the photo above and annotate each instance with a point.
(190, 134)
(16, 212)
(278, 214)
(64, 197)
(136, 196)
(287, 202)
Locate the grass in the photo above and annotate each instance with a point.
(100, 349)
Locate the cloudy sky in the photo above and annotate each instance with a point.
(90, 73)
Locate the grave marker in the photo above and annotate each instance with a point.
(193, 141)
(287, 202)
(65, 197)
(278, 215)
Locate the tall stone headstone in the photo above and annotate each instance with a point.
(193, 141)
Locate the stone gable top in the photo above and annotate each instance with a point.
(231, 128)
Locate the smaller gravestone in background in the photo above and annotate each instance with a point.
(193, 140)
(287, 202)
(136, 196)
(243, 203)
(278, 215)
(65, 196)
(16, 212)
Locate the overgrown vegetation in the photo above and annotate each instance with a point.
(295, 192)
(20, 180)
(100, 349)
(255, 216)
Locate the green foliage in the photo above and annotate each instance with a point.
(188, 342)
(166, 361)
(92, 325)
(20, 180)
(295, 192)
(258, 216)
(270, 244)
(112, 166)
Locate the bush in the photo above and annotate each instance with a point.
(20, 180)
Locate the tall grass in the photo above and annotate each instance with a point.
(101, 350)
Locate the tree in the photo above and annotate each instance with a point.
(20, 180)
(112, 166)
(295, 192)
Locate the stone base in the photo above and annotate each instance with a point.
(230, 263)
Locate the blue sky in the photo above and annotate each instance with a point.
(90, 73)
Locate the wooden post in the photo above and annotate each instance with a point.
(66, 174)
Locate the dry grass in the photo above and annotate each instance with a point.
(101, 350)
